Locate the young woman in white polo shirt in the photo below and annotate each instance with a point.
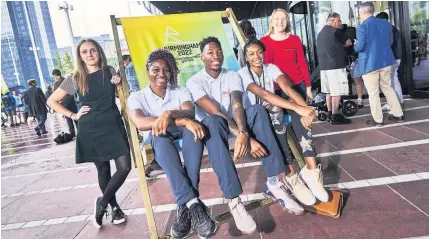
(166, 110)
(258, 82)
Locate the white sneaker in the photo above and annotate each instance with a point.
(359, 102)
(242, 218)
(279, 191)
(298, 188)
(385, 107)
(314, 180)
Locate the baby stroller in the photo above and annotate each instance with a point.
(347, 106)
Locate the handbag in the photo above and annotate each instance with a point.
(332, 208)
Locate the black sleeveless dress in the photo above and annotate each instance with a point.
(101, 133)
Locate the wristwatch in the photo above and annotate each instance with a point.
(243, 132)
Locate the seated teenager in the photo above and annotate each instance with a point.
(258, 80)
(166, 110)
(218, 94)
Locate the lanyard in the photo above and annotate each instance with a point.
(261, 84)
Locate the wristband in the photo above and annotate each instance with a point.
(71, 115)
(243, 132)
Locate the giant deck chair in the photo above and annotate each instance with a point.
(143, 158)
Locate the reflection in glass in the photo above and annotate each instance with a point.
(419, 24)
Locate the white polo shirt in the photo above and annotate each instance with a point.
(219, 90)
(153, 106)
(269, 76)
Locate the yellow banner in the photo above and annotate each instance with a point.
(179, 33)
(4, 88)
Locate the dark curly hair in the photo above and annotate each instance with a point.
(250, 42)
(207, 40)
(253, 41)
(163, 54)
(247, 28)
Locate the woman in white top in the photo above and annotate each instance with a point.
(258, 81)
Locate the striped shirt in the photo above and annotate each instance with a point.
(69, 85)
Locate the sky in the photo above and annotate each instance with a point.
(90, 18)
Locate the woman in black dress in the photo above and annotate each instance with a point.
(101, 133)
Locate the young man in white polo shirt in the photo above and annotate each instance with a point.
(218, 94)
(166, 109)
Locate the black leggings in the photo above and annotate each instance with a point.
(109, 185)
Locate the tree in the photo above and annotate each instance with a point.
(68, 64)
(65, 64)
(419, 21)
(113, 61)
(59, 63)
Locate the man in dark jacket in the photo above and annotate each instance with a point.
(397, 53)
(36, 103)
(68, 102)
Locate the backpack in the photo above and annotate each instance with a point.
(5, 99)
(63, 138)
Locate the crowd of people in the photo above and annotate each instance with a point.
(215, 104)
(12, 109)
(19, 108)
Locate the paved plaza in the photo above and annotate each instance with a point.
(44, 194)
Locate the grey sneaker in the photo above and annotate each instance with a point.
(201, 220)
(182, 226)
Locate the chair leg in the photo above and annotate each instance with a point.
(295, 147)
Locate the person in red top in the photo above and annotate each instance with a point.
(284, 50)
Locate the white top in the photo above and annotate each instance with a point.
(269, 76)
(153, 106)
(219, 90)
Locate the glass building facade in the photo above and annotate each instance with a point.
(18, 60)
(308, 17)
(411, 18)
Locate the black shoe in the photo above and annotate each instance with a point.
(118, 216)
(397, 119)
(201, 220)
(374, 123)
(329, 118)
(154, 170)
(339, 119)
(37, 131)
(45, 132)
(182, 226)
(99, 212)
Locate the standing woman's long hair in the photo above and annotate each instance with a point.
(81, 73)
